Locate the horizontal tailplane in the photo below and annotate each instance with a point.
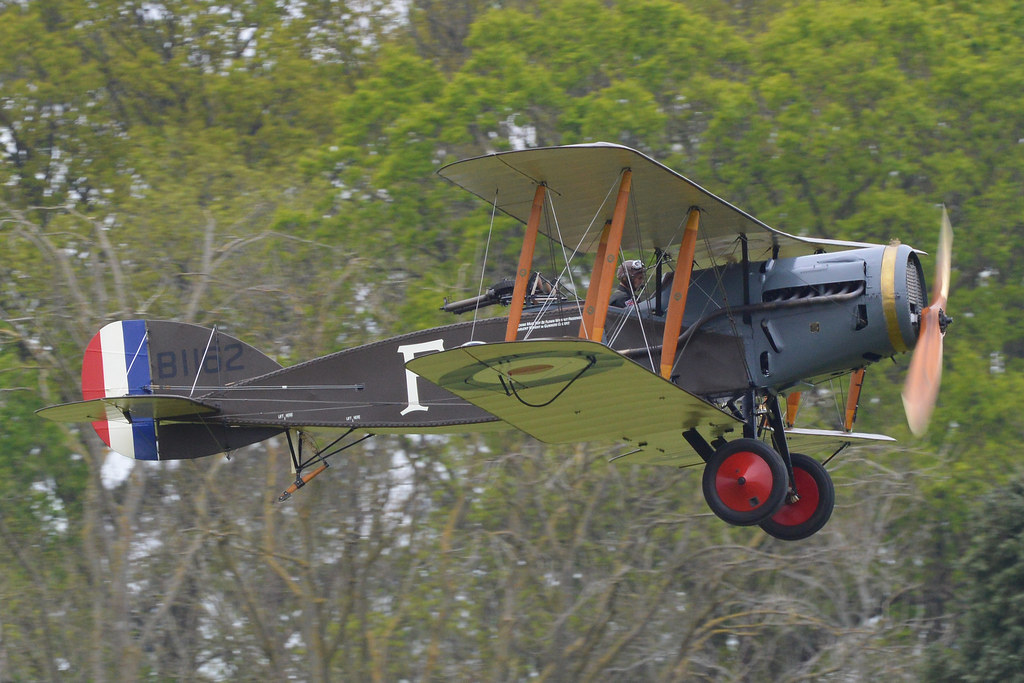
(127, 407)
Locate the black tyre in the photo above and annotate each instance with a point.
(745, 482)
(816, 498)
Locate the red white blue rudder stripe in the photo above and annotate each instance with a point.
(117, 364)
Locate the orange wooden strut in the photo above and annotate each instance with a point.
(515, 312)
(792, 406)
(611, 256)
(587, 321)
(680, 289)
(300, 482)
(853, 398)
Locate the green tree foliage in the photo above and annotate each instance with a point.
(990, 630)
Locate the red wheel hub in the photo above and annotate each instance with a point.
(799, 512)
(744, 481)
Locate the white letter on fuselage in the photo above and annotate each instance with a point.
(409, 352)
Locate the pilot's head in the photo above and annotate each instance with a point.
(631, 274)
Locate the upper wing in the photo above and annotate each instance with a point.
(572, 390)
(582, 182)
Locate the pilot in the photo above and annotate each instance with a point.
(631, 281)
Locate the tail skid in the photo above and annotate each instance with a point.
(321, 455)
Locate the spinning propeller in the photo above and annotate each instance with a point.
(921, 389)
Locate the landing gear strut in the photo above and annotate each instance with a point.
(320, 457)
(747, 482)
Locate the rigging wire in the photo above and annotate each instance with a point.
(138, 350)
(836, 396)
(549, 301)
(568, 257)
(483, 267)
(623, 320)
(203, 362)
(630, 312)
(719, 285)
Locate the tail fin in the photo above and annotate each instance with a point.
(146, 358)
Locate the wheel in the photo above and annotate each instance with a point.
(745, 482)
(817, 497)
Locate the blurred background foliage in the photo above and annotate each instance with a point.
(268, 166)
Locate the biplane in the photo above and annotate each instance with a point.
(702, 365)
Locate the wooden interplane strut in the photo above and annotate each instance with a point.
(792, 407)
(680, 288)
(515, 312)
(589, 308)
(853, 398)
(611, 256)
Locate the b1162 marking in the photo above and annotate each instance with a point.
(171, 364)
